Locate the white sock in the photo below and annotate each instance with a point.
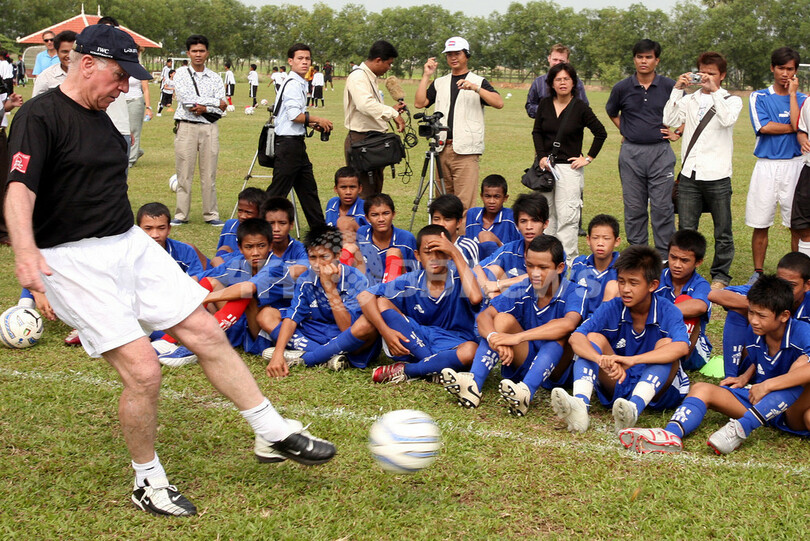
(583, 387)
(26, 302)
(151, 469)
(804, 247)
(645, 391)
(266, 422)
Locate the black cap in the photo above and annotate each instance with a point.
(113, 43)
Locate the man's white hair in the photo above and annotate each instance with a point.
(76, 56)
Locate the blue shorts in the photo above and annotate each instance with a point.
(779, 422)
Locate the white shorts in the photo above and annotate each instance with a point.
(772, 182)
(117, 289)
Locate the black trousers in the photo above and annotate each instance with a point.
(293, 170)
(4, 167)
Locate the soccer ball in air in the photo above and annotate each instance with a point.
(264, 102)
(173, 182)
(404, 441)
(20, 327)
(249, 110)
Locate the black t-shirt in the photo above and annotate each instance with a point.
(75, 161)
(454, 90)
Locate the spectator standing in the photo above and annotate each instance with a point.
(559, 54)
(53, 76)
(46, 58)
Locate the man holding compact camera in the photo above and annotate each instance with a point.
(461, 97)
(708, 116)
(292, 167)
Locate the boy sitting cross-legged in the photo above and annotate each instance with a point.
(596, 271)
(778, 347)
(492, 225)
(527, 328)
(324, 321)
(628, 350)
(426, 317)
(506, 266)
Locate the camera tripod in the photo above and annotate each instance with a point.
(431, 169)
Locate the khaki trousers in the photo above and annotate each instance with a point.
(193, 140)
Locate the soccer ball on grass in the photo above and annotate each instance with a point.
(404, 441)
(20, 327)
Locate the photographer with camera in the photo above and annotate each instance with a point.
(292, 168)
(709, 114)
(461, 97)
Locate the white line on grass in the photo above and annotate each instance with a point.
(567, 442)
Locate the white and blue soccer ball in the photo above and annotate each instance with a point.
(249, 110)
(173, 182)
(404, 441)
(20, 327)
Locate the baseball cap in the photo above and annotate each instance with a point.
(110, 42)
(455, 43)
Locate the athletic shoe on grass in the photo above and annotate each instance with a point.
(72, 339)
(160, 498)
(390, 373)
(338, 362)
(300, 446)
(516, 395)
(650, 440)
(625, 414)
(571, 409)
(173, 355)
(462, 386)
(727, 439)
(292, 356)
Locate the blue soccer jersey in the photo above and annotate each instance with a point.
(186, 257)
(233, 271)
(468, 249)
(698, 288)
(795, 343)
(520, 300)
(767, 106)
(310, 301)
(450, 311)
(584, 273)
(355, 211)
(375, 256)
(510, 257)
(274, 282)
(503, 226)
(228, 235)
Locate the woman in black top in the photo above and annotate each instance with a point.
(565, 201)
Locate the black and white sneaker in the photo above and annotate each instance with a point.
(300, 446)
(160, 498)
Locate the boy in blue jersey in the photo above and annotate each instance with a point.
(682, 285)
(447, 210)
(794, 268)
(324, 322)
(596, 271)
(506, 266)
(774, 116)
(387, 251)
(527, 328)
(345, 210)
(426, 317)
(778, 347)
(249, 202)
(491, 225)
(154, 219)
(628, 350)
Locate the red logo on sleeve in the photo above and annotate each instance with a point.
(19, 162)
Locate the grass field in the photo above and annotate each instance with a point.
(64, 471)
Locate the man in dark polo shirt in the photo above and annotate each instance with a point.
(646, 160)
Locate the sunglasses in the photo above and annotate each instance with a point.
(47, 39)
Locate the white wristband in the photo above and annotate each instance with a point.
(490, 335)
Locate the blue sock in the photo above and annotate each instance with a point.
(345, 342)
(398, 322)
(485, 249)
(654, 374)
(586, 370)
(771, 405)
(687, 417)
(26, 294)
(157, 335)
(543, 364)
(434, 364)
(483, 363)
(733, 341)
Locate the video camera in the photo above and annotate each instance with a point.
(430, 125)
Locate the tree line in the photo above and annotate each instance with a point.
(745, 31)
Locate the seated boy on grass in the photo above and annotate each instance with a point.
(381, 251)
(596, 271)
(492, 225)
(794, 268)
(506, 266)
(324, 322)
(447, 210)
(629, 350)
(689, 291)
(527, 328)
(778, 347)
(248, 206)
(426, 317)
(345, 210)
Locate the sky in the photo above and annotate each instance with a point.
(470, 7)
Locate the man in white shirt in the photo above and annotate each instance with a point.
(53, 76)
(230, 83)
(317, 87)
(705, 179)
(253, 81)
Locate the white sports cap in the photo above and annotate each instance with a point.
(455, 43)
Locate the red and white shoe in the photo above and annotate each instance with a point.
(650, 440)
(390, 373)
(72, 339)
